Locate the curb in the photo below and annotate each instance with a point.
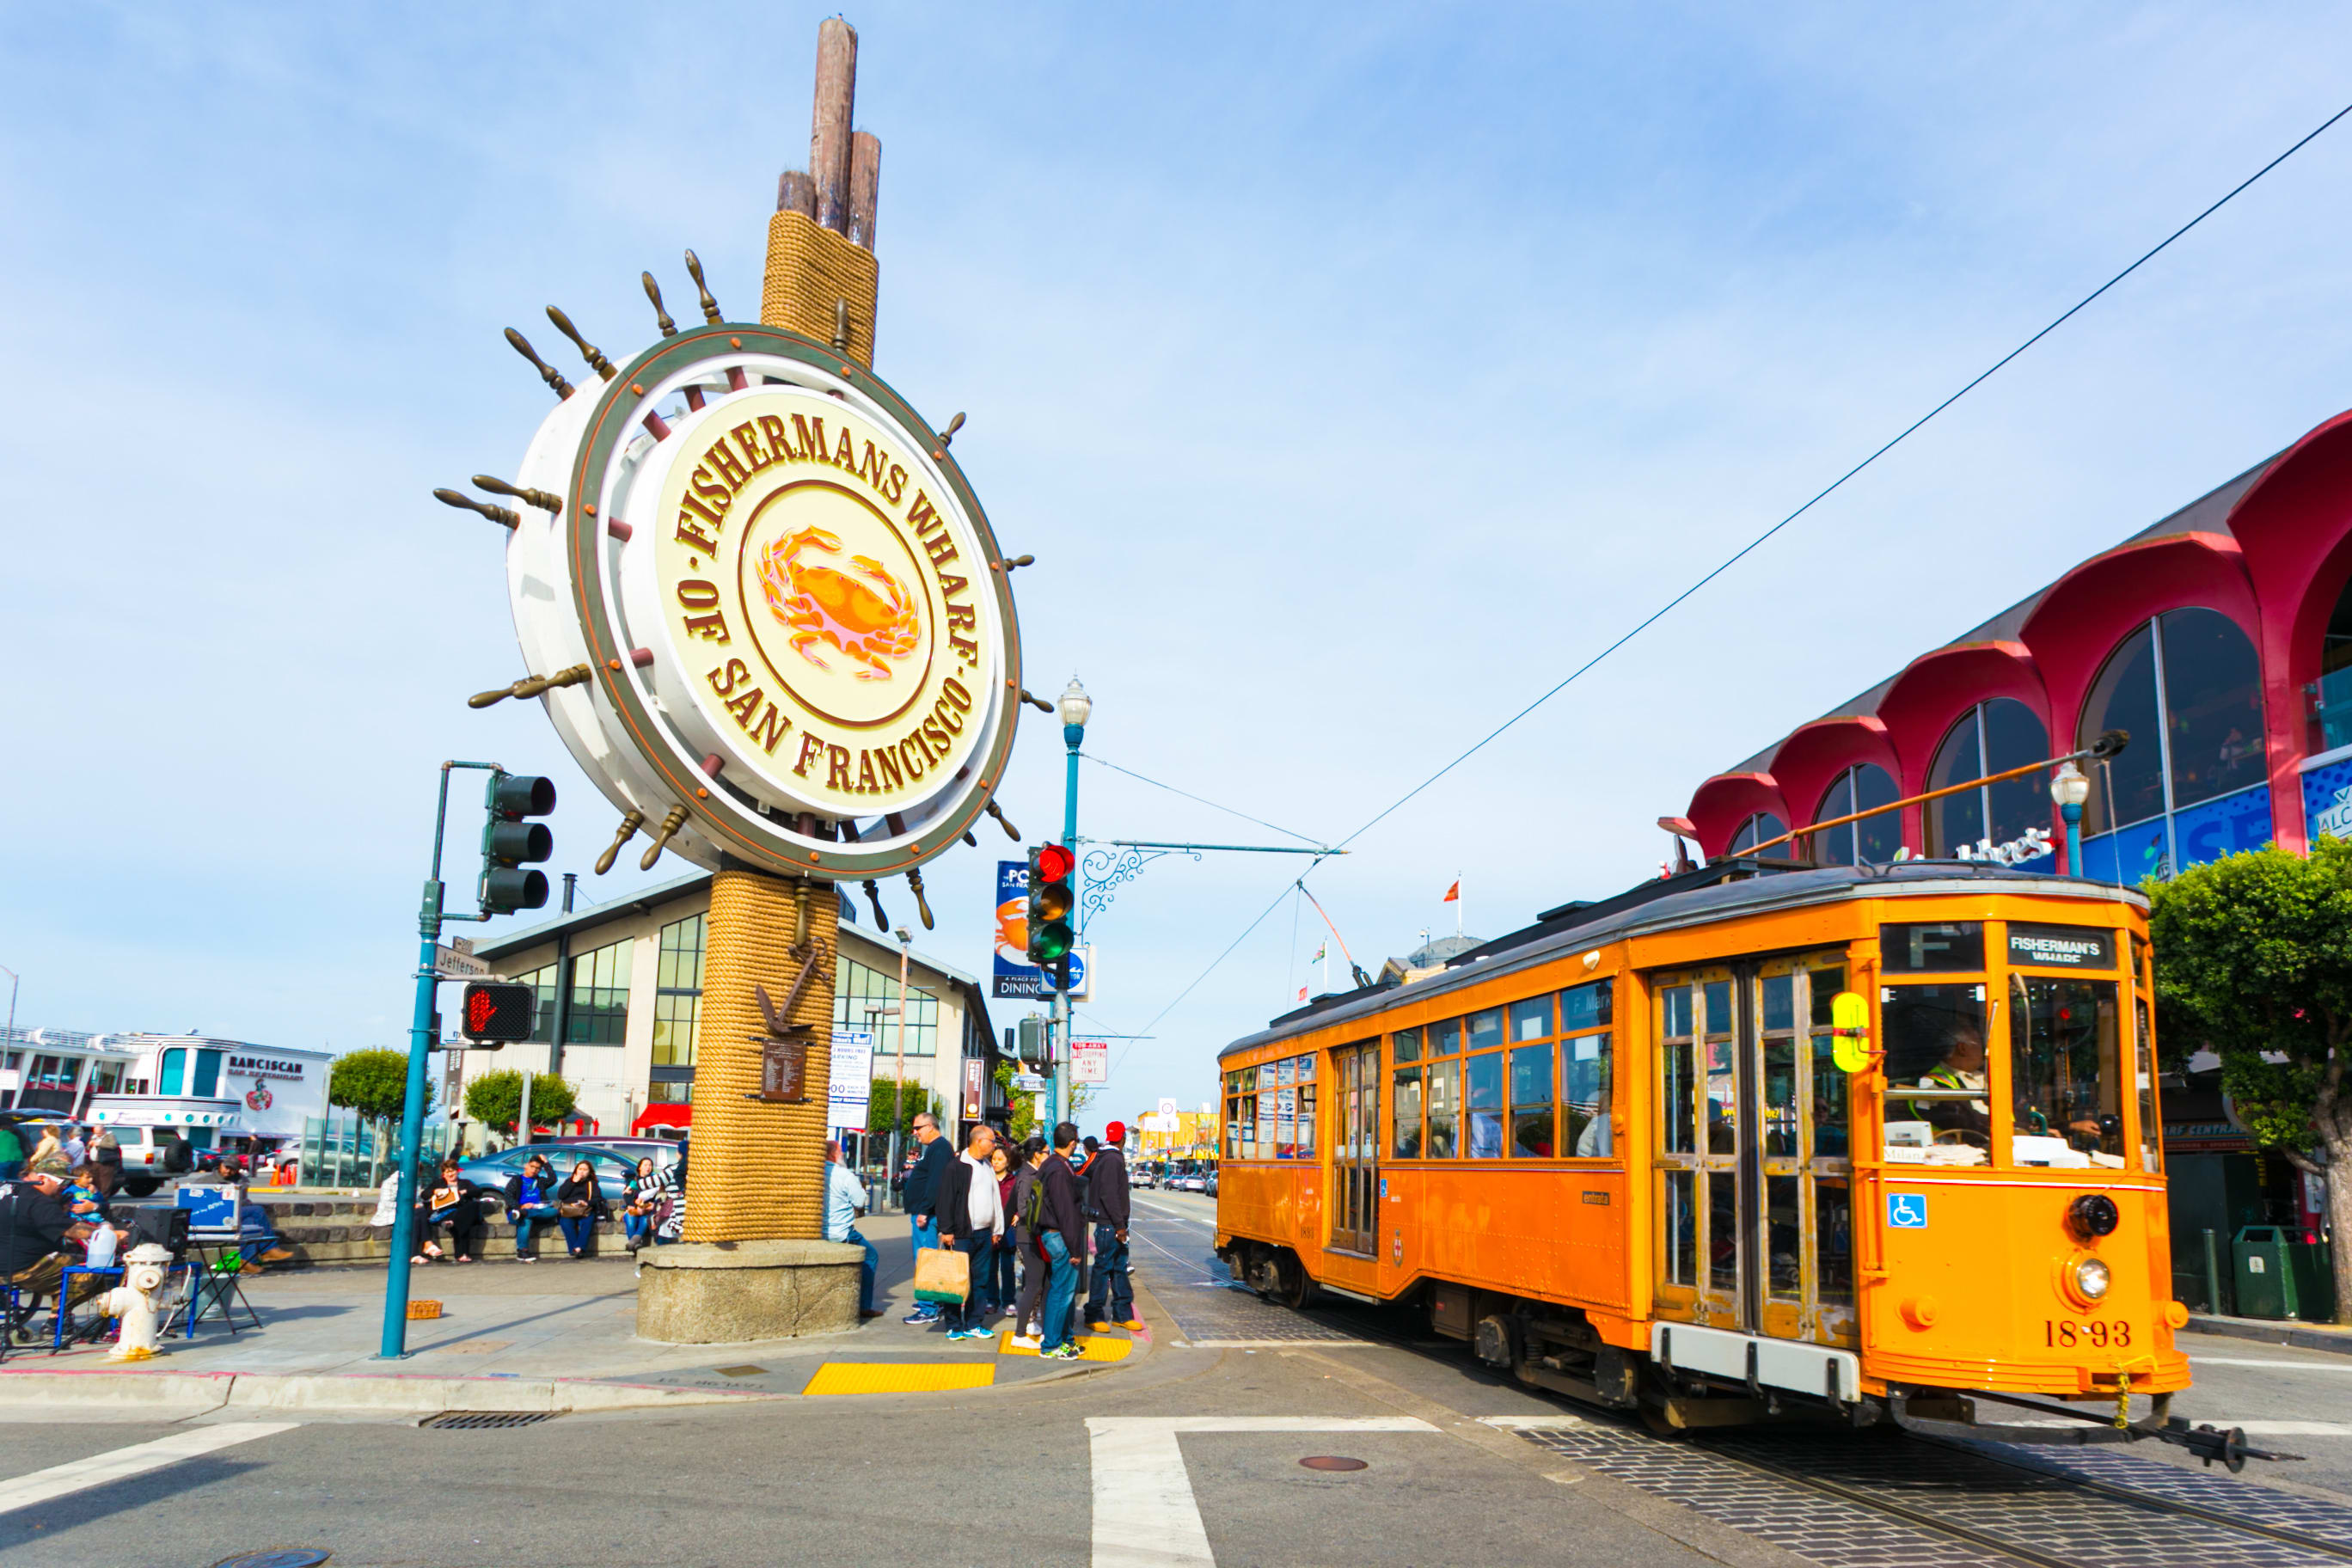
(2337, 1341)
(202, 1393)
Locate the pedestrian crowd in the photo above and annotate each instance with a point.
(1035, 1222)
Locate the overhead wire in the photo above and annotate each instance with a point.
(1664, 610)
(1211, 804)
(1727, 563)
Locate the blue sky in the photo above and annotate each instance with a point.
(1353, 373)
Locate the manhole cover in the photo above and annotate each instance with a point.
(278, 1557)
(1331, 1462)
(478, 1420)
(746, 1370)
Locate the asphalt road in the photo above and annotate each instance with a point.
(1191, 1455)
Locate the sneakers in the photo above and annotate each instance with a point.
(921, 1315)
(970, 1335)
(1066, 1351)
(1022, 1342)
(526, 1258)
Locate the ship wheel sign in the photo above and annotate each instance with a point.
(777, 626)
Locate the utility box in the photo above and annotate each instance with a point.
(2278, 1276)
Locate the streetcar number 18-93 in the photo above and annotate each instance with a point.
(2060, 1335)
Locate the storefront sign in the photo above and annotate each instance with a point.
(795, 616)
(974, 1070)
(264, 1067)
(2328, 796)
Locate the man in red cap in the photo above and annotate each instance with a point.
(1110, 1298)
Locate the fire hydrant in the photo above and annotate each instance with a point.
(137, 1302)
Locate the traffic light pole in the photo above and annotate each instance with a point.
(429, 916)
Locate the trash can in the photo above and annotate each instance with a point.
(2278, 1276)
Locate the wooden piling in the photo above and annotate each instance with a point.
(864, 187)
(796, 192)
(829, 129)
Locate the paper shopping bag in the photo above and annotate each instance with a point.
(941, 1275)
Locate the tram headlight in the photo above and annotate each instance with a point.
(2091, 1279)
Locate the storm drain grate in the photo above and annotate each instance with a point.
(479, 1420)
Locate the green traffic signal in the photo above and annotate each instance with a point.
(509, 843)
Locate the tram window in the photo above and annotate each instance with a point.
(1446, 1039)
(1829, 1100)
(1304, 1147)
(1832, 1243)
(1675, 1000)
(2064, 1075)
(1722, 1230)
(1586, 1008)
(1936, 1039)
(1780, 1137)
(2152, 1130)
(1483, 1098)
(1953, 947)
(1585, 1067)
(1268, 1101)
(1722, 1075)
(1531, 1116)
(1784, 1238)
(1306, 1069)
(1486, 1028)
(1780, 1001)
(1445, 1108)
(1407, 1044)
(1824, 984)
(1682, 1229)
(1406, 1142)
(1531, 1018)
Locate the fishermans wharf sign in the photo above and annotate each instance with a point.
(799, 645)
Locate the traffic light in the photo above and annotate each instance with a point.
(509, 842)
(1032, 1040)
(1053, 895)
(497, 1011)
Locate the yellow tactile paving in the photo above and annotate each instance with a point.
(899, 1377)
(1091, 1347)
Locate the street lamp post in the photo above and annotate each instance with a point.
(1076, 707)
(2070, 789)
(898, 1116)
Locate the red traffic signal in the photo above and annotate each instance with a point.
(1055, 863)
(497, 1011)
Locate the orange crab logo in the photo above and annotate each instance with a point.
(862, 613)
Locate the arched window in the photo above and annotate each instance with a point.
(2335, 675)
(1989, 738)
(2187, 688)
(1873, 839)
(1761, 828)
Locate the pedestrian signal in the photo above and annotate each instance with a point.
(509, 843)
(497, 1012)
(1053, 897)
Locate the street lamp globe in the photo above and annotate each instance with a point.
(1076, 706)
(2068, 787)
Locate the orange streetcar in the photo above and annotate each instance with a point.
(1747, 1144)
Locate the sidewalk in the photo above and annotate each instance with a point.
(2276, 1331)
(557, 1335)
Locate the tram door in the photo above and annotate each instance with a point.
(1355, 1159)
(1753, 1201)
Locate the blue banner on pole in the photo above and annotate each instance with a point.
(1015, 974)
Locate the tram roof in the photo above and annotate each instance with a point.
(1633, 914)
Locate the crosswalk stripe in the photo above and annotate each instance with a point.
(119, 1464)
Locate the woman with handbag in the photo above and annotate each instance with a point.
(580, 1203)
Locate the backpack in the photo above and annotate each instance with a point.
(1033, 1207)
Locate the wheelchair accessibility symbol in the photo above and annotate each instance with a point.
(1906, 1211)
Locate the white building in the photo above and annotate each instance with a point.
(627, 1017)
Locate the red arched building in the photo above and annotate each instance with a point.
(2221, 638)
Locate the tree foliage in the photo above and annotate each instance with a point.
(494, 1098)
(373, 1083)
(2253, 956)
(886, 1109)
(1021, 1104)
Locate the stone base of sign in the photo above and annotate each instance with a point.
(720, 1293)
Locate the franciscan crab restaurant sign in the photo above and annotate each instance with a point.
(799, 645)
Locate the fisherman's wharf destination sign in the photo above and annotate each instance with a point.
(800, 643)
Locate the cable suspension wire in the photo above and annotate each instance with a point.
(1664, 610)
(1213, 962)
(1211, 804)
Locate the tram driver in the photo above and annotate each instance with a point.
(1962, 1067)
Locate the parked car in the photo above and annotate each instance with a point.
(1210, 1176)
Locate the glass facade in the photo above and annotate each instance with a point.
(2189, 681)
(1989, 738)
(1874, 839)
(600, 997)
(1761, 828)
(678, 991)
(859, 992)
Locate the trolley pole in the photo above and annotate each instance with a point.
(394, 1344)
